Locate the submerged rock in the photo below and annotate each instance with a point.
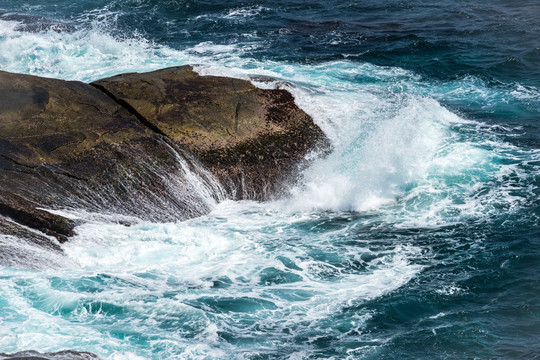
(147, 145)
(61, 355)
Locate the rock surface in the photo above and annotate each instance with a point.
(68, 145)
(251, 139)
(147, 145)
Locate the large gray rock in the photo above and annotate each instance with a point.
(147, 145)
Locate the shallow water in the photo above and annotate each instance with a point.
(417, 237)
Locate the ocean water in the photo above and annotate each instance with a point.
(418, 237)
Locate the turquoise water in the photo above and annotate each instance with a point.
(416, 238)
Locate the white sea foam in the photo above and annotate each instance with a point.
(84, 54)
(159, 272)
(237, 14)
(245, 12)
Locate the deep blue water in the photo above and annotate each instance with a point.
(417, 238)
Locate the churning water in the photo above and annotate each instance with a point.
(417, 237)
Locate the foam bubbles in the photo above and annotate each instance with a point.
(245, 12)
(245, 265)
(373, 167)
(83, 54)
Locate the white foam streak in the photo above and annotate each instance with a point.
(245, 12)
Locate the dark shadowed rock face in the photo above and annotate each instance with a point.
(131, 145)
(253, 140)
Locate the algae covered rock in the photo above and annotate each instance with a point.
(252, 139)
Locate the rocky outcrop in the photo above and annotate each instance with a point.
(149, 145)
(68, 145)
(252, 139)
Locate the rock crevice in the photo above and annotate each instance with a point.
(129, 108)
